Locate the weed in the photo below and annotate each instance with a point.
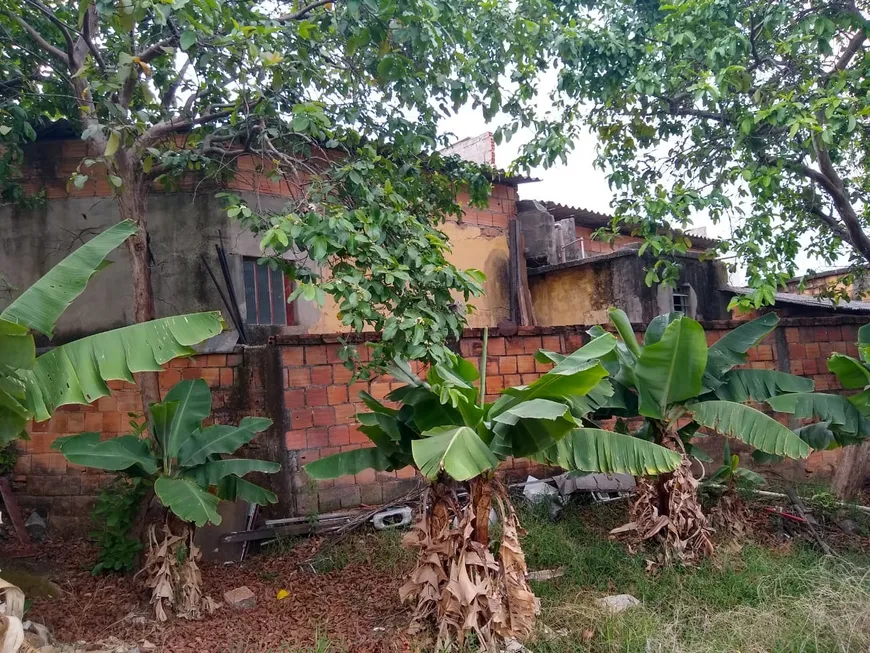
(113, 515)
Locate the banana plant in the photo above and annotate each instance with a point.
(443, 426)
(677, 384)
(732, 475)
(33, 387)
(184, 460)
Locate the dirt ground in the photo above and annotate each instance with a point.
(356, 606)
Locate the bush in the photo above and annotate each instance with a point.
(114, 515)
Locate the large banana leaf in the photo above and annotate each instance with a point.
(751, 426)
(76, 373)
(851, 373)
(187, 500)
(597, 450)
(834, 409)
(670, 370)
(231, 488)
(194, 405)
(819, 435)
(347, 463)
(656, 328)
(17, 351)
(742, 385)
(531, 427)
(864, 343)
(570, 378)
(594, 349)
(114, 454)
(457, 450)
(219, 439)
(730, 349)
(212, 472)
(40, 306)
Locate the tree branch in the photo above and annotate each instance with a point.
(161, 130)
(169, 95)
(37, 38)
(302, 13)
(154, 51)
(855, 44)
(63, 27)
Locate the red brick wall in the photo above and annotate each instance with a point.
(300, 383)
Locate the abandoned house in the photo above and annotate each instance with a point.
(548, 280)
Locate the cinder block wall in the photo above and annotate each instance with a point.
(300, 383)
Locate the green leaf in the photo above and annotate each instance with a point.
(671, 369)
(742, 385)
(187, 500)
(194, 405)
(763, 458)
(40, 306)
(819, 436)
(114, 454)
(531, 426)
(834, 409)
(851, 373)
(162, 416)
(656, 328)
(749, 425)
(348, 463)
(212, 472)
(76, 373)
(187, 40)
(112, 144)
(571, 377)
(748, 478)
(864, 343)
(252, 493)
(457, 450)
(626, 332)
(597, 450)
(220, 439)
(730, 349)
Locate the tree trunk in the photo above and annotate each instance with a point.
(851, 471)
(480, 497)
(132, 199)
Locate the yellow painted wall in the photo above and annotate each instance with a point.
(569, 296)
(473, 246)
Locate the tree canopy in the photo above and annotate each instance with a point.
(339, 100)
(751, 112)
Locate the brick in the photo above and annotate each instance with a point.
(792, 335)
(329, 500)
(301, 419)
(339, 435)
(112, 422)
(371, 494)
(380, 390)
(226, 377)
(315, 397)
(294, 399)
(315, 355)
(551, 343)
(797, 351)
(240, 598)
(511, 380)
(357, 436)
(317, 437)
(234, 360)
(191, 373)
(321, 375)
(170, 377)
(340, 374)
(813, 350)
(496, 347)
(531, 344)
(337, 394)
(93, 422)
(295, 439)
(216, 360)
(291, 356)
(199, 361)
(525, 364)
(514, 346)
(324, 416)
(365, 477)
(345, 413)
(507, 365)
(298, 377)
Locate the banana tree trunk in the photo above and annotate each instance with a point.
(480, 498)
(852, 471)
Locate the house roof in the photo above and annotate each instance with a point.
(594, 220)
(838, 272)
(808, 301)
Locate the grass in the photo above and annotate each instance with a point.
(750, 599)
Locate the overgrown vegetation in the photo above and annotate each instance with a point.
(114, 515)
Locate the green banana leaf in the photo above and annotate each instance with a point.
(571, 377)
(219, 439)
(819, 435)
(457, 450)
(742, 385)
(837, 410)
(347, 463)
(231, 488)
(730, 349)
(187, 500)
(597, 450)
(749, 425)
(532, 426)
(851, 373)
(17, 351)
(76, 373)
(194, 405)
(864, 343)
(656, 328)
(212, 472)
(114, 454)
(670, 370)
(40, 306)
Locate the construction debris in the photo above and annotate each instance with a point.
(240, 598)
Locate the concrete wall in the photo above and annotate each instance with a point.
(185, 225)
(301, 385)
(580, 292)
